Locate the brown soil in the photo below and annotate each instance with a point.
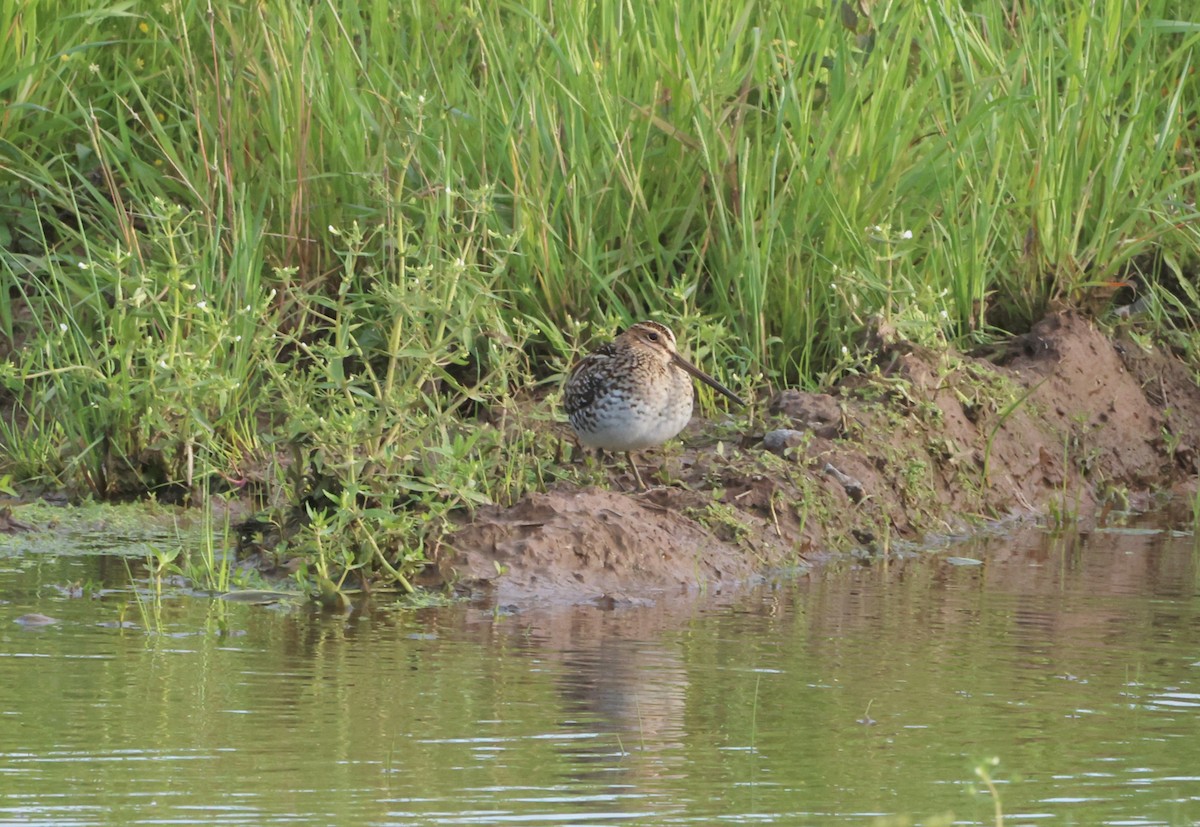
(1065, 423)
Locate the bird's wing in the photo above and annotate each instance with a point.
(586, 379)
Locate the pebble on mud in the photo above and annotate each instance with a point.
(779, 440)
(853, 488)
(816, 412)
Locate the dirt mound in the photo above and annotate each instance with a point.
(1065, 422)
(593, 543)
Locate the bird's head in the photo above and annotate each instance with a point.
(652, 338)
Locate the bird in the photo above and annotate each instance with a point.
(634, 392)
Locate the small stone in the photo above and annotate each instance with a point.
(852, 487)
(816, 412)
(779, 440)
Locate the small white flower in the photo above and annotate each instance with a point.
(83, 265)
(162, 364)
(907, 234)
(63, 327)
(202, 304)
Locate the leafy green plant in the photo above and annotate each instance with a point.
(983, 771)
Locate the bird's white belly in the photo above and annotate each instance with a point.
(618, 422)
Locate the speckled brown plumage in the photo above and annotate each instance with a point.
(634, 392)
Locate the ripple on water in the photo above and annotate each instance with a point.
(861, 693)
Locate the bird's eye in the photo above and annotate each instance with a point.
(652, 336)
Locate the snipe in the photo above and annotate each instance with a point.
(634, 392)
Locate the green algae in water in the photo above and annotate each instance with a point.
(133, 530)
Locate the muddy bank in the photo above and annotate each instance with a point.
(1063, 423)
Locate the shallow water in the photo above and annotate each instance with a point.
(861, 696)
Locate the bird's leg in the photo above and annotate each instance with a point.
(636, 474)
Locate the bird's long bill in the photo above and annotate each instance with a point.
(706, 379)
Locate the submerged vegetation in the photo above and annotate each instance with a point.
(330, 252)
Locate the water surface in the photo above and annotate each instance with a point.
(859, 696)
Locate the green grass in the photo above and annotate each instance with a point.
(357, 234)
